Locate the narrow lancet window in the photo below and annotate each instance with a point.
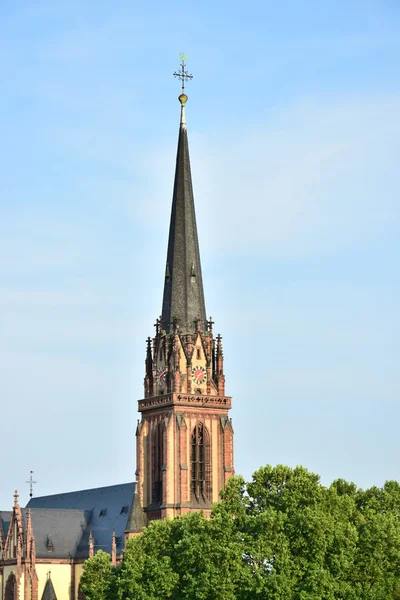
(201, 465)
(157, 459)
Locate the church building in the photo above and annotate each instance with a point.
(184, 451)
(184, 439)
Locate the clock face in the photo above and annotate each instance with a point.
(161, 375)
(199, 374)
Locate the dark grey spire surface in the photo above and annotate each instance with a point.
(49, 592)
(136, 521)
(183, 288)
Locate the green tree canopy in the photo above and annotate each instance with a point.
(98, 577)
(190, 557)
(281, 536)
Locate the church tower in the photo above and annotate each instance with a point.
(184, 441)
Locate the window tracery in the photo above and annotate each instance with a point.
(201, 463)
(9, 593)
(158, 459)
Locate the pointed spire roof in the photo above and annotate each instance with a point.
(183, 288)
(136, 521)
(49, 592)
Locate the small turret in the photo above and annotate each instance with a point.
(136, 519)
(114, 550)
(219, 375)
(148, 379)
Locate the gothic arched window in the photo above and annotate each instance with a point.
(201, 463)
(10, 588)
(157, 461)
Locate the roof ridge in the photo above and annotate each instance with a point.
(104, 487)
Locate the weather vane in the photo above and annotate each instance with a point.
(182, 74)
(31, 482)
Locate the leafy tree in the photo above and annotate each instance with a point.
(190, 557)
(293, 532)
(282, 536)
(377, 562)
(98, 577)
(146, 572)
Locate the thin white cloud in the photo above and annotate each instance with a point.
(317, 177)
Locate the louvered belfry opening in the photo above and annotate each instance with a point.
(157, 458)
(201, 463)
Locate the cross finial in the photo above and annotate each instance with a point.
(183, 75)
(31, 483)
(15, 497)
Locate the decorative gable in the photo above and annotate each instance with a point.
(14, 544)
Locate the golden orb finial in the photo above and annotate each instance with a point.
(183, 99)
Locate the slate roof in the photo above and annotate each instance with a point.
(5, 518)
(101, 511)
(58, 532)
(183, 288)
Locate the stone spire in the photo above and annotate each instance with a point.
(183, 299)
(114, 550)
(49, 592)
(136, 520)
(184, 440)
(91, 545)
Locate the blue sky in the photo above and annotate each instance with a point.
(294, 130)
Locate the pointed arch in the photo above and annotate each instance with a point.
(157, 462)
(201, 463)
(11, 585)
